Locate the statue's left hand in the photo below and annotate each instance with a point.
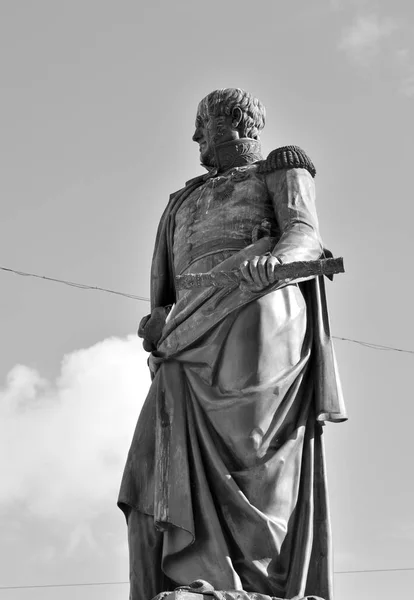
(258, 272)
(151, 326)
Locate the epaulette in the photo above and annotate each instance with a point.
(287, 157)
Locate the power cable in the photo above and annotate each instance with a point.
(372, 345)
(375, 571)
(60, 585)
(83, 286)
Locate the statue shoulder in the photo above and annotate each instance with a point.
(286, 157)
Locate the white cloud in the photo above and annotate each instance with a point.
(372, 38)
(63, 443)
(362, 40)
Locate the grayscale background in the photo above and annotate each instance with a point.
(97, 108)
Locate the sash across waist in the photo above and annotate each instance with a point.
(211, 247)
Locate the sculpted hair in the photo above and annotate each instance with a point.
(224, 101)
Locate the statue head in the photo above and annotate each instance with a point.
(225, 115)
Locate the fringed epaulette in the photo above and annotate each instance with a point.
(287, 157)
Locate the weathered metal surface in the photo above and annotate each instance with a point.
(227, 457)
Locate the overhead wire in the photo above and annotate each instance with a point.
(80, 286)
(97, 583)
(373, 346)
(83, 286)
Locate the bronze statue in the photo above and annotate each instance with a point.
(225, 479)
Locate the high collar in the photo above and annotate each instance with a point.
(236, 153)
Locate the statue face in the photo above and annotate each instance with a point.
(211, 131)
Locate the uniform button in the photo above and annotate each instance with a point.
(189, 247)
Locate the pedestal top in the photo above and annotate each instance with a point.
(187, 595)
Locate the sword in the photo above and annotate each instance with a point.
(292, 270)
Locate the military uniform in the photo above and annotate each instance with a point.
(227, 457)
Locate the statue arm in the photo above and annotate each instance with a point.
(292, 192)
(293, 196)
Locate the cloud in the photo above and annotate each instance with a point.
(63, 443)
(362, 41)
(371, 38)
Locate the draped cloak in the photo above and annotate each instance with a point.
(227, 454)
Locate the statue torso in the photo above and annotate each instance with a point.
(226, 213)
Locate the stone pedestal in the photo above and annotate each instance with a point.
(187, 595)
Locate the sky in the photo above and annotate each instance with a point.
(98, 101)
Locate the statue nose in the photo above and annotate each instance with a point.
(197, 135)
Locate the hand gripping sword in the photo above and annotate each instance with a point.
(292, 270)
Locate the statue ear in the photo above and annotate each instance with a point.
(236, 117)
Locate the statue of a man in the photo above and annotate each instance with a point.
(225, 478)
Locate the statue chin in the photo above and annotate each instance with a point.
(208, 161)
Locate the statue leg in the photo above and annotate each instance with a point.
(145, 553)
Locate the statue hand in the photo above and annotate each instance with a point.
(151, 326)
(258, 273)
